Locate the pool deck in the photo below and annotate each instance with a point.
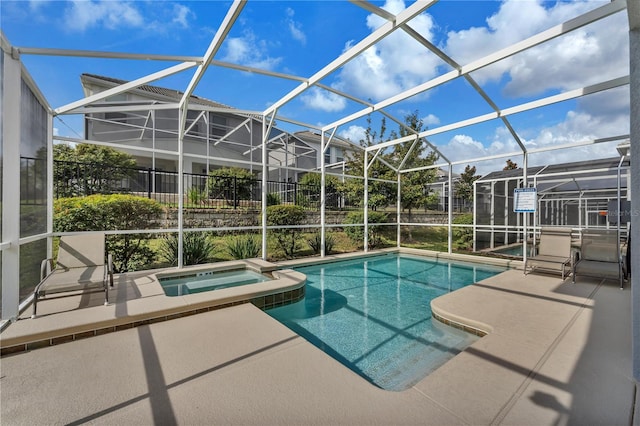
(556, 353)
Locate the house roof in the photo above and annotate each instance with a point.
(578, 166)
(155, 91)
(315, 138)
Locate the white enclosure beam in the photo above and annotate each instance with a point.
(214, 46)
(558, 30)
(105, 55)
(404, 16)
(232, 131)
(125, 87)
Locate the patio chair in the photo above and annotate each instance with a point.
(599, 256)
(80, 269)
(554, 252)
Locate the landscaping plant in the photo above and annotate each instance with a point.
(196, 248)
(112, 212)
(243, 247)
(284, 215)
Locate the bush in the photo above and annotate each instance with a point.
(196, 196)
(356, 233)
(231, 183)
(243, 247)
(273, 199)
(284, 215)
(196, 248)
(112, 212)
(303, 200)
(315, 243)
(463, 237)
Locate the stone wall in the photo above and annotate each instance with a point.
(219, 218)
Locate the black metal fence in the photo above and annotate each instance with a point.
(73, 179)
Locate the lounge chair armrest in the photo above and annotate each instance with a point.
(45, 268)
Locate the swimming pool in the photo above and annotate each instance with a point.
(207, 281)
(373, 314)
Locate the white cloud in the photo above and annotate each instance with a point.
(36, 5)
(81, 15)
(582, 57)
(430, 120)
(248, 50)
(581, 125)
(295, 28)
(182, 15)
(323, 100)
(394, 64)
(354, 133)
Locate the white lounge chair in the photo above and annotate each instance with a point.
(600, 256)
(554, 252)
(80, 269)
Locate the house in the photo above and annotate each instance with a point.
(145, 121)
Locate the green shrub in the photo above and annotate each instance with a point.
(315, 242)
(196, 248)
(112, 212)
(302, 200)
(315, 178)
(284, 215)
(463, 237)
(243, 247)
(196, 195)
(231, 183)
(273, 199)
(356, 233)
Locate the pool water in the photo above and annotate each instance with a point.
(373, 315)
(207, 281)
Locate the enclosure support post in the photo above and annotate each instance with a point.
(475, 216)
(263, 199)
(633, 13)
(11, 101)
(492, 221)
(181, 112)
(525, 221)
(450, 213)
(323, 195)
(398, 208)
(49, 192)
(366, 202)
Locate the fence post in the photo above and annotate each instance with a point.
(235, 192)
(149, 182)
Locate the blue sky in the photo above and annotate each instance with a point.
(301, 37)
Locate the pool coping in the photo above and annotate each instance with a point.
(502, 262)
(153, 305)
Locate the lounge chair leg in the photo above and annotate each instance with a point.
(35, 305)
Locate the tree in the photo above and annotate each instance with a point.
(510, 165)
(89, 169)
(380, 192)
(414, 185)
(464, 185)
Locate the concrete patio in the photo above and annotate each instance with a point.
(555, 353)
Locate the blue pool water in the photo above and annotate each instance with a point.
(207, 281)
(373, 314)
